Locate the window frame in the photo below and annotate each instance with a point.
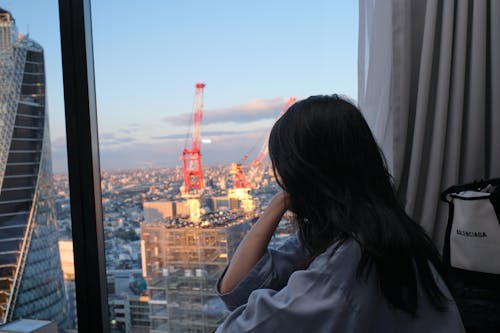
(83, 165)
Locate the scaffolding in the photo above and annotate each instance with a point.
(181, 266)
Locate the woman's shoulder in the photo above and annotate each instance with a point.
(345, 252)
(338, 262)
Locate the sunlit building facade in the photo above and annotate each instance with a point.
(31, 279)
(68, 268)
(181, 266)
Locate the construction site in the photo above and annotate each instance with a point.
(182, 267)
(186, 243)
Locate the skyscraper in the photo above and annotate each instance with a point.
(31, 280)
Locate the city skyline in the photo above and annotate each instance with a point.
(148, 58)
(136, 202)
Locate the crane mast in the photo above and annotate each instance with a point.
(239, 178)
(191, 158)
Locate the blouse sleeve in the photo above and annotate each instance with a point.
(308, 303)
(271, 272)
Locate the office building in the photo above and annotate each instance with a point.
(217, 203)
(131, 313)
(155, 211)
(31, 279)
(128, 301)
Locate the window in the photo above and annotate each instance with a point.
(251, 57)
(173, 235)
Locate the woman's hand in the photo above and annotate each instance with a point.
(281, 200)
(255, 243)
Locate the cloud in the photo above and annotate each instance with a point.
(137, 154)
(204, 134)
(121, 151)
(106, 136)
(159, 154)
(130, 128)
(114, 139)
(169, 137)
(122, 140)
(59, 144)
(125, 131)
(254, 110)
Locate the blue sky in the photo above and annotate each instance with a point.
(252, 55)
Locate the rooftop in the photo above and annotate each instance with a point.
(3, 11)
(29, 326)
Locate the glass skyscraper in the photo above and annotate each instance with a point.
(31, 279)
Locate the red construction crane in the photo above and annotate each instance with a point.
(240, 180)
(255, 169)
(191, 158)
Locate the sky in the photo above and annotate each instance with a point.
(252, 56)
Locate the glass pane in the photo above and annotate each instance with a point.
(187, 93)
(36, 257)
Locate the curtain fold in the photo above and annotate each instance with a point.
(444, 98)
(494, 89)
(374, 81)
(442, 92)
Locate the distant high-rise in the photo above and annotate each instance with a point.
(155, 211)
(68, 267)
(31, 279)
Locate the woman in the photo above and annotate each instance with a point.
(358, 263)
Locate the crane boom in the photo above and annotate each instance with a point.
(240, 180)
(257, 162)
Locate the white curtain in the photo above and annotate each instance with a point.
(429, 85)
(374, 70)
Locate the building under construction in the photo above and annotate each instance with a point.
(183, 256)
(181, 266)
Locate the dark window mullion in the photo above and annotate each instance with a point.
(83, 165)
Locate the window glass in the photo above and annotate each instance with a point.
(187, 92)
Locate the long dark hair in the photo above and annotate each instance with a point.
(324, 155)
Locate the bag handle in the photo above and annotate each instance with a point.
(476, 185)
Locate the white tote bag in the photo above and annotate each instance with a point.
(473, 233)
(472, 253)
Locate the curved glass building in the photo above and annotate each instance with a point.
(31, 279)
